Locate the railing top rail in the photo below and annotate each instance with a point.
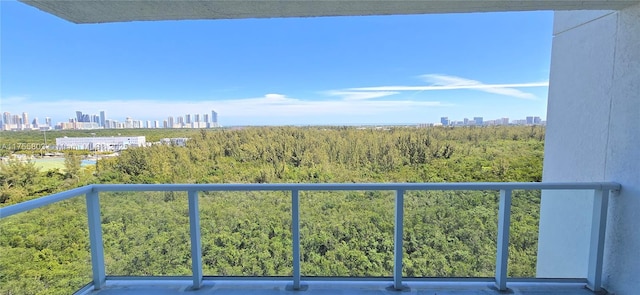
(43, 201)
(359, 186)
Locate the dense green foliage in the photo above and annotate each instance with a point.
(342, 233)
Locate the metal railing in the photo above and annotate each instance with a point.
(594, 278)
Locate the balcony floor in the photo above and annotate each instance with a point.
(174, 287)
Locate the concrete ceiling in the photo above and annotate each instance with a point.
(101, 11)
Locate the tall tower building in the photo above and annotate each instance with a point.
(214, 117)
(128, 122)
(95, 119)
(103, 119)
(6, 120)
(537, 120)
(78, 116)
(530, 120)
(17, 122)
(444, 121)
(478, 120)
(47, 121)
(25, 119)
(187, 118)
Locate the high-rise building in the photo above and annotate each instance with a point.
(444, 121)
(103, 119)
(95, 119)
(170, 122)
(478, 120)
(530, 120)
(47, 120)
(196, 118)
(7, 121)
(25, 120)
(85, 118)
(205, 118)
(187, 118)
(537, 120)
(214, 117)
(6, 118)
(128, 122)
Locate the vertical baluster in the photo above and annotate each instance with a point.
(196, 247)
(502, 256)
(596, 250)
(295, 232)
(95, 239)
(397, 240)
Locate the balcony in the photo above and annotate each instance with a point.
(198, 283)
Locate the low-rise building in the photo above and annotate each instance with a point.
(100, 143)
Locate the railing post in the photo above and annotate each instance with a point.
(196, 248)
(397, 240)
(502, 255)
(95, 239)
(596, 249)
(295, 237)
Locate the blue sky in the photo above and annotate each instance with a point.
(331, 70)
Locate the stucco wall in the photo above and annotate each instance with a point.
(593, 134)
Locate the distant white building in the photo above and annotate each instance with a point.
(100, 143)
(181, 141)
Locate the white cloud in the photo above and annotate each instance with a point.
(360, 95)
(344, 106)
(7, 101)
(291, 107)
(258, 110)
(446, 82)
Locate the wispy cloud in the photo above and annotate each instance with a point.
(346, 105)
(281, 105)
(6, 101)
(360, 95)
(268, 108)
(446, 82)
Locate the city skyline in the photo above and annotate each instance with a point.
(86, 121)
(83, 120)
(293, 71)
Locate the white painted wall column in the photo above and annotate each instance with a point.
(593, 134)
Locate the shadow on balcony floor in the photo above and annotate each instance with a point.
(339, 287)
